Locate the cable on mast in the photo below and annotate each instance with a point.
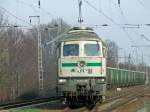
(30, 20)
(80, 19)
(119, 3)
(39, 3)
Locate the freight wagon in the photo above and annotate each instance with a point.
(121, 77)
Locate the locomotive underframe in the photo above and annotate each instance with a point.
(84, 90)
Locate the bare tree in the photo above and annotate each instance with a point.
(112, 54)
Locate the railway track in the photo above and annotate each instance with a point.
(27, 103)
(114, 102)
(110, 103)
(123, 94)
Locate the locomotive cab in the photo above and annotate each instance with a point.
(82, 66)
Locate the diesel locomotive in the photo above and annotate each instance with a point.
(82, 66)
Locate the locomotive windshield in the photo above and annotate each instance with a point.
(71, 50)
(92, 49)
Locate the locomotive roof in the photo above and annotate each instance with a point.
(81, 33)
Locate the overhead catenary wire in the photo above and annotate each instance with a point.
(110, 19)
(13, 15)
(122, 27)
(148, 9)
(127, 34)
(123, 15)
(142, 4)
(35, 6)
(136, 25)
(18, 18)
(120, 9)
(145, 37)
(133, 25)
(101, 12)
(16, 26)
(8, 25)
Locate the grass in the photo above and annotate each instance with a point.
(28, 110)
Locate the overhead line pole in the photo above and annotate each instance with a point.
(40, 60)
(40, 54)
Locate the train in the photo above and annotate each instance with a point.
(77, 73)
(83, 76)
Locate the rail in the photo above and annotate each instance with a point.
(27, 103)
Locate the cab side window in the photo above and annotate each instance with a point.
(104, 52)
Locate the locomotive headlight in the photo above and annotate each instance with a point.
(101, 80)
(62, 81)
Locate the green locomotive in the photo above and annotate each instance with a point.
(82, 71)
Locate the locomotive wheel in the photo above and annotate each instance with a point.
(90, 105)
(71, 104)
(100, 100)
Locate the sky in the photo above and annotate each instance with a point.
(129, 12)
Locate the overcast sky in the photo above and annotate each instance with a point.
(131, 11)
